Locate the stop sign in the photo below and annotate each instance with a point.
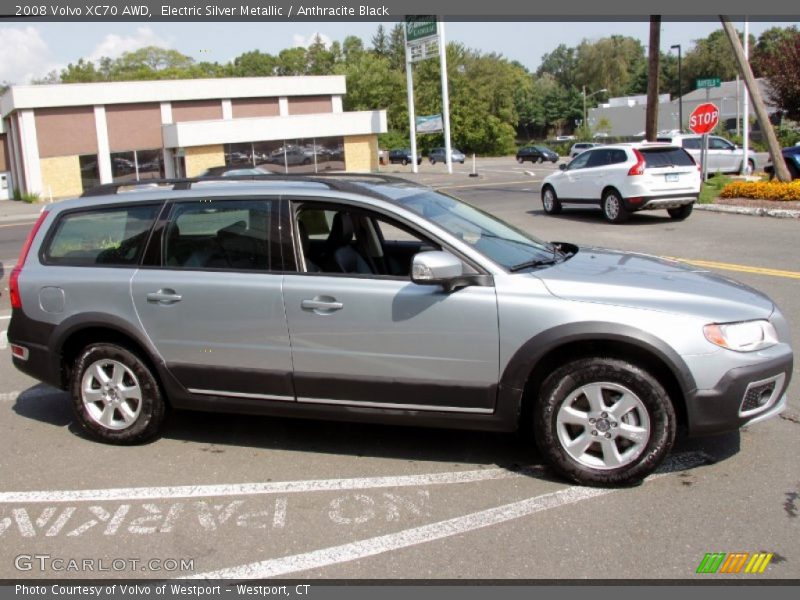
(704, 118)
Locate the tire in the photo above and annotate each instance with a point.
(681, 212)
(793, 171)
(539, 160)
(419, 161)
(614, 208)
(751, 167)
(629, 442)
(462, 162)
(433, 161)
(520, 160)
(550, 201)
(404, 162)
(116, 415)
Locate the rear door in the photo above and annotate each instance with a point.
(670, 171)
(211, 302)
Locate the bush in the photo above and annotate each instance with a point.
(762, 190)
(26, 197)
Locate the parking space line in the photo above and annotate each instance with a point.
(18, 224)
(276, 487)
(494, 183)
(3, 340)
(428, 533)
(738, 268)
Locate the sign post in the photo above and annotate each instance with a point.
(702, 121)
(424, 37)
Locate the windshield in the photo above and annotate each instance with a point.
(502, 243)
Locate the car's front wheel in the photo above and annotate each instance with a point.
(520, 160)
(604, 421)
(115, 396)
(681, 212)
(404, 162)
(614, 208)
(550, 201)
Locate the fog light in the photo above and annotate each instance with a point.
(19, 352)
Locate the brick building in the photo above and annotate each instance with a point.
(58, 140)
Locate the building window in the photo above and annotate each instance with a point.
(90, 173)
(136, 165)
(310, 155)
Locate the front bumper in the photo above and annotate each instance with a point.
(729, 405)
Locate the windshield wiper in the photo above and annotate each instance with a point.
(541, 262)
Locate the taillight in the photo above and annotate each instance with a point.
(13, 279)
(638, 168)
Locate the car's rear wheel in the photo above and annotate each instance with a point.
(404, 162)
(115, 396)
(681, 212)
(433, 161)
(604, 421)
(751, 167)
(614, 208)
(550, 201)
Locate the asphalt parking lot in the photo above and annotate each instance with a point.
(245, 497)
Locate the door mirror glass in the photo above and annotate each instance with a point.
(436, 267)
(563, 166)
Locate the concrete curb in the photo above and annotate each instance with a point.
(750, 211)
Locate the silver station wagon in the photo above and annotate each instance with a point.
(370, 298)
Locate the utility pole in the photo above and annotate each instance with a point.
(651, 115)
(781, 172)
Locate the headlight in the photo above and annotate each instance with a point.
(746, 336)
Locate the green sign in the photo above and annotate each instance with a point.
(708, 83)
(420, 27)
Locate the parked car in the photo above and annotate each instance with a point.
(723, 156)
(231, 171)
(565, 138)
(791, 156)
(581, 147)
(403, 156)
(536, 154)
(440, 155)
(623, 178)
(372, 298)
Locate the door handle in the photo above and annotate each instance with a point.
(321, 304)
(164, 296)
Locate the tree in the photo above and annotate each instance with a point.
(254, 64)
(292, 61)
(380, 42)
(319, 59)
(561, 63)
(710, 57)
(80, 72)
(397, 47)
(611, 63)
(781, 67)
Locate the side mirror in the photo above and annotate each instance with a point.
(563, 166)
(437, 268)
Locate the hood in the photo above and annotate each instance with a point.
(642, 281)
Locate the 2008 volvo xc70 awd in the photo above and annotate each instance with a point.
(371, 298)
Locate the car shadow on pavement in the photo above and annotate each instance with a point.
(593, 214)
(458, 448)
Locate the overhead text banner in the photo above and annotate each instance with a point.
(387, 10)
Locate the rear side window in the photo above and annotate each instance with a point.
(666, 157)
(692, 143)
(229, 234)
(106, 237)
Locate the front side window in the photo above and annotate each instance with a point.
(111, 237)
(580, 161)
(222, 234)
(346, 240)
(716, 143)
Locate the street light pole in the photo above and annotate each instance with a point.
(585, 96)
(680, 87)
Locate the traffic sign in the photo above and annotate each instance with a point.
(708, 83)
(704, 118)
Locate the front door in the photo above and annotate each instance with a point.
(364, 335)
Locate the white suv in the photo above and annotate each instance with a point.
(723, 156)
(623, 178)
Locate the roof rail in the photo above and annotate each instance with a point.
(186, 183)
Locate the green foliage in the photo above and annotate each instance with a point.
(781, 65)
(28, 197)
(711, 189)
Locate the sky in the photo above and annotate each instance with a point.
(31, 50)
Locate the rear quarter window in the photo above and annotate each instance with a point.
(105, 237)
